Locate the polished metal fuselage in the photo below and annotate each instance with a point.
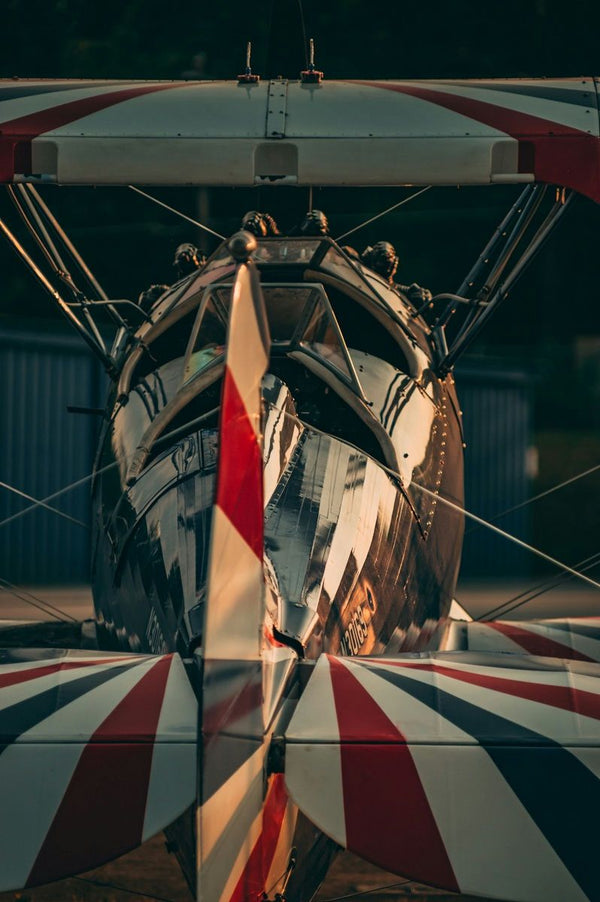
(361, 551)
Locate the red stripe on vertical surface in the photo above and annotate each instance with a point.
(566, 697)
(380, 779)
(16, 134)
(536, 644)
(102, 811)
(561, 155)
(239, 480)
(251, 884)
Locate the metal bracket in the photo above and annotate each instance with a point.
(276, 108)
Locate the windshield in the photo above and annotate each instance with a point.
(300, 319)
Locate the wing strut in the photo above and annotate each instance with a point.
(485, 287)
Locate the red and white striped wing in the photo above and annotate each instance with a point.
(574, 639)
(97, 754)
(339, 133)
(478, 778)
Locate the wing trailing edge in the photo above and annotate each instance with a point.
(470, 132)
(474, 773)
(97, 754)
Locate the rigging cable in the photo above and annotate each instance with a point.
(194, 222)
(544, 494)
(53, 510)
(456, 507)
(383, 213)
(45, 606)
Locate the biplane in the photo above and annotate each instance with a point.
(278, 516)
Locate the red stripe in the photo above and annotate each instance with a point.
(239, 482)
(251, 884)
(562, 155)
(536, 644)
(22, 130)
(388, 817)
(102, 811)
(23, 676)
(566, 697)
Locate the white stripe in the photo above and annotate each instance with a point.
(34, 779)
(481, 637)
(565, 727)
(172, 783)
(36, 103)
(569, 114)
(315, 717)
(78, 720)
(21, 692)
(583, 644)
(228, 826)
(35, 773)
(246, 356)
(234, 613)
(493, 844)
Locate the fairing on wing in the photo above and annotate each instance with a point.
(286, 132)
(97, 754)
(474, 773)
(574, 639)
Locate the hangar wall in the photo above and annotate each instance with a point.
(44, 448)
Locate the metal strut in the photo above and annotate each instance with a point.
(485, 278)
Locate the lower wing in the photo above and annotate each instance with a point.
(97, 754)
(477, 773)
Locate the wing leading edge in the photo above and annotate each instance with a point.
(474, 773)
(336, 133)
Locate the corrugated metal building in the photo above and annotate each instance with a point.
(44, 448)
(498, 413)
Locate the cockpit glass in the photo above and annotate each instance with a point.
(285, 308)
(207, 341)
(300, 318)
(276, 251)
(335, 263)
(294, 250)
(321, 338)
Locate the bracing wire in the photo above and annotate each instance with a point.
(303, 26)
(194, 222)
(461, 510)
(527, 595)
(45, 606)
(544, 494)
(48, 507)
(383, 213)
(506, 535)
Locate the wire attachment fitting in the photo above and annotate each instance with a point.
(248, 78)
(311, 76)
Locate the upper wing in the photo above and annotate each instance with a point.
(97, 754)
(336, 133)
(475, 773)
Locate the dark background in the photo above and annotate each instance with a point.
(548, 330)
